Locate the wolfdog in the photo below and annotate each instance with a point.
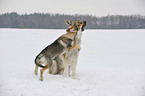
(55, 50)
(71, 56)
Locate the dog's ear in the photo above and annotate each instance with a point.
(68, 23)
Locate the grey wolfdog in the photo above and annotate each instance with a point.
(71, 56)
(56, 49)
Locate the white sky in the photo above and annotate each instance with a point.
(92, 7)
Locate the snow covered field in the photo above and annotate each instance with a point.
(111, 63)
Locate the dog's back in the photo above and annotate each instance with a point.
(57, 47)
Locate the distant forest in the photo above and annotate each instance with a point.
(56, 21)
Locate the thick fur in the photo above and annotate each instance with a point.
(71, 57)
(51, 56)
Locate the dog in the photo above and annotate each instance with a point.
(71, 56)
(53, 53)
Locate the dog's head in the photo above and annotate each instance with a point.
(75, 26)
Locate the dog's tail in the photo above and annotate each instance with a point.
(38, 64)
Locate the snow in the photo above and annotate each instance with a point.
(111, 63)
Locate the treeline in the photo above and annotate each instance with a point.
(56, 21)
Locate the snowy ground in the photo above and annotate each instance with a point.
(111, 63)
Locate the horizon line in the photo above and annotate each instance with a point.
(69, 14)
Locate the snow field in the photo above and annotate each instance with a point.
(111, 63)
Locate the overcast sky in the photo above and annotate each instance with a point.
(92, 7)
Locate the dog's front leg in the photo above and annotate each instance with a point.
(74, 65)
(74, 70)
(65, 74)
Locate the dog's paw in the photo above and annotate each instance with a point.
(79, 49)
(35, 72)
(41, 79)
(76, 78)
(65, 75)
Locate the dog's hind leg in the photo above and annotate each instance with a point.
(59, 63)
(36, 70)
(42, 71)
(47, 65)
(54, 68)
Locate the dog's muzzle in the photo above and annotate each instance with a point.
(84, 25)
